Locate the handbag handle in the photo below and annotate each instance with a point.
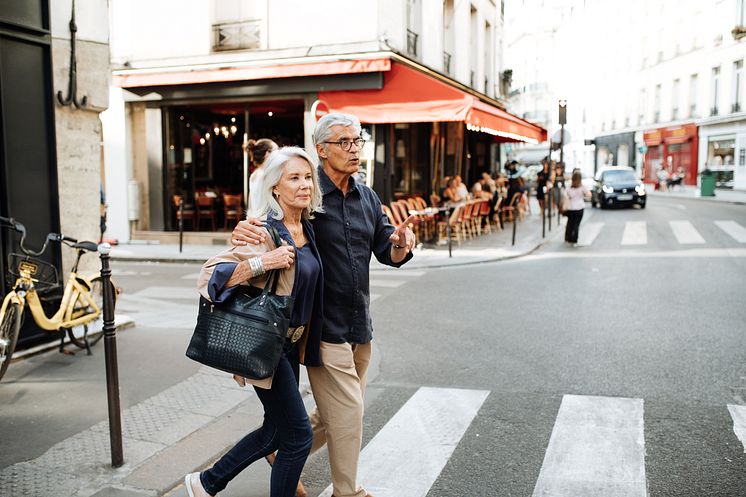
(273, 278)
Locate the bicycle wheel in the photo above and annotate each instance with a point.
(9, 330)
(81, 306)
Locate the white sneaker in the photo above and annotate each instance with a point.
(194, 486)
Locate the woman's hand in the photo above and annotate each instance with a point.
(249, 231)
(280, 258)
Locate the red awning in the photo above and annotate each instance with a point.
(410, 96)
(196, 76)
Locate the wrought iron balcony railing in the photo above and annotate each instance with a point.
(236, 35)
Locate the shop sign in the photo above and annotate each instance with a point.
(319, 109)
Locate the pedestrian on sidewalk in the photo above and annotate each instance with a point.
(351, 229)
(576, 196)
(289, 196)
(259, 151)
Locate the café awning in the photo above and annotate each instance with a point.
(411, 96)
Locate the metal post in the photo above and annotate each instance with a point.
(515, 221)
(110, 353)
(543, 217)
(181, 223)
(448, 230)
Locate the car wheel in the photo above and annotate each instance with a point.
(642, 205)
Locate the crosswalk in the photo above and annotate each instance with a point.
(642, 233)
(597, 446)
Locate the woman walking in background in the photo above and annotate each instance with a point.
(576, 195)
(259, 151)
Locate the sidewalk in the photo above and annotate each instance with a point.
(690, 192)
(189, 424)
(486, 248)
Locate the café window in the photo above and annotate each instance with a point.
(410, 154)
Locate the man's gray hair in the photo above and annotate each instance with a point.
(266, 204)
(323, 130)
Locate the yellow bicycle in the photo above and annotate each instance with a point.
(81, 303)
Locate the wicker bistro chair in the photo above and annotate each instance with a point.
(403, 207)
(466, 225)
(498, 215)
(454, 220)
(206, 210)
(188, 211)
(388, 213)
(231, 209)
(484, 216)
(426, 221)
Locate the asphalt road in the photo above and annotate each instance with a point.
(657, 325)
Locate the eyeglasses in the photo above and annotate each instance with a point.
(346, 145)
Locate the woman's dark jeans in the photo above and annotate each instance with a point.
(286, 429)
(573, 225)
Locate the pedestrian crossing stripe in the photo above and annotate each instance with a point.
(407, 455)
(589, 232)
(635, 233)
(685, 232)
(738, 413)
(732, 228)
(597, 448)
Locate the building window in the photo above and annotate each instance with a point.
(414, 26)
(693, 79)
(741, 13)
(489, 56)
(473, 47)
(657, 104)
(237, 25)
(721, 159)
(675, 99)
(737, 78)
(715, 91)
(642, 103)
(448, 34)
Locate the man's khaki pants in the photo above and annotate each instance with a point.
(338, 387)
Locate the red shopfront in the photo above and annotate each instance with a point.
(674, 148)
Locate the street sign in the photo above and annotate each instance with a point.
(643, 149)
(319, 109)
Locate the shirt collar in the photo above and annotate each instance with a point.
(328, 186)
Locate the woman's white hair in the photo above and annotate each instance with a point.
(323, 130)
(267, 204)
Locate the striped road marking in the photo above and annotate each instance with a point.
(589, 232)
(635, 233)
(685, 232)
(597, 449)
(735, 230)
(738, 413)
(399, 273)
(407, 455)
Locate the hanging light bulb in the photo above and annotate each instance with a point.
(270, 113)
(201, 141)
(234, 129)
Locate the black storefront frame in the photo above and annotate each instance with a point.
(28, 25)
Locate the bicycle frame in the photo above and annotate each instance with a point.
(65, 316)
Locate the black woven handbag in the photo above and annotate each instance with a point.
(246, 334)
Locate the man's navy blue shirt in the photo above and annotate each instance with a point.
(350, 229)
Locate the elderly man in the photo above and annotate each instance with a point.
(350, 230)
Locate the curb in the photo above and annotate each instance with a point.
(713, 200)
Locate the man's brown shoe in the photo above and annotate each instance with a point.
(300, 491)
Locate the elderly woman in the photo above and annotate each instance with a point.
(288, 197)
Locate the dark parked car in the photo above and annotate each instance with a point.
(618, 186)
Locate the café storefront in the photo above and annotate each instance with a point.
(675, 149)
(419, 125)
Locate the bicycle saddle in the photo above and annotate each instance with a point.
(89, 246)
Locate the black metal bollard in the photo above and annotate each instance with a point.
(515, 221)
(448, 231)
(181, 223)
(110, 353)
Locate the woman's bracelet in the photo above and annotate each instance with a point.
(256, 266)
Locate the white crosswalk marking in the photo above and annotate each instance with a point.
(589, 232)
(685, 232)
(169, 292)
(635, 233)
(738, 413)
(735, 230)
(407, 455)
(597, 449)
